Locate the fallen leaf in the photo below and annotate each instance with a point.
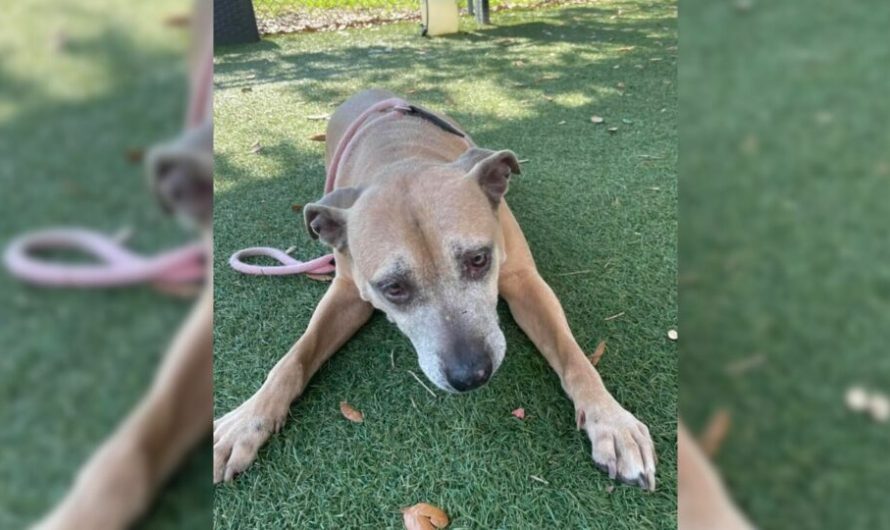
(613, 130)
(598, 353)
(318, 117)
(320, 137)
(610, 488)
(181, 20)
(563, 122)
(256, 147)
(290, 249)
(620, 86)
(714, 433)
(320, 277)
(135, 155)
(351, 413)
(519, 413)
(246, 89)
(597, 119)
(423, 516)
(296, 207)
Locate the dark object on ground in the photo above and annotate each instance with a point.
(234, 22)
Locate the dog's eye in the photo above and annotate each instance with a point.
(396, 292)
(479, 260)
(476, 264)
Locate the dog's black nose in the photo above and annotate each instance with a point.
(464, 376)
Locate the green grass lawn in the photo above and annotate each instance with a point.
(784, 251)
(599, 211)
(81, 83)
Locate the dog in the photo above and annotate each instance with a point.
(420, 230)
(115, 487)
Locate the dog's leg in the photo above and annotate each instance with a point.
(238, 435)
(621, 444)
(703, 501)
(119, 481)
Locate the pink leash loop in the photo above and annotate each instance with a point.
(118, 266)
(289, 265)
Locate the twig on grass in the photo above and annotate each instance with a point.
(419, 380)
(613, 317)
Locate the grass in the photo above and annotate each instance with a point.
(784, 251)
(588, 200)
(74, 362)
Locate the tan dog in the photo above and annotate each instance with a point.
(420, 230)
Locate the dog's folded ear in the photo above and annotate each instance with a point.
(326, 219)
(490, 169)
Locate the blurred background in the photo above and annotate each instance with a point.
(784, 255)
(86, 87)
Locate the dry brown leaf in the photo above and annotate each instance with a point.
(715, 432)
(181, 20)
(256, 147)
(135, 155)
(423, 516)
(350, 413)
(597, 119)
(598, 353)
(246, 89)
(320, 277)
(295, 207)
(519, 413)
(320, 137)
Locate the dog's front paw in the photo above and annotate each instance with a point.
(238, 436)
(622, 446)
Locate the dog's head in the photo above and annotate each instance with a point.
(425, 248)
(180, 173)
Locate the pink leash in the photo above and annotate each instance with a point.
(119, 266)
(324, 264)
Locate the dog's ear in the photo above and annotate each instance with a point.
(492, 171)
(326, 219)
